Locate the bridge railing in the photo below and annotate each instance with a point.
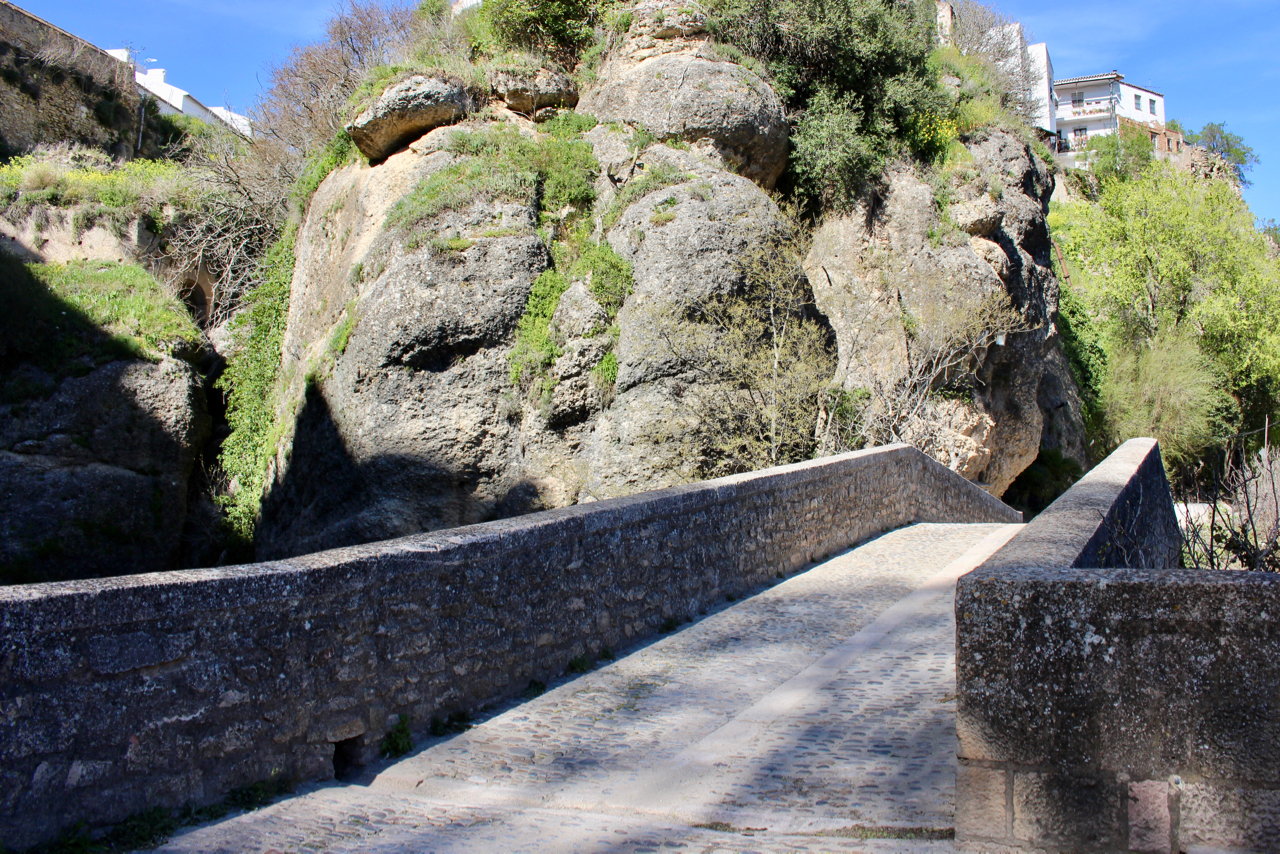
(121, 694)
(1107, 700)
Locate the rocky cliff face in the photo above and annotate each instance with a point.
(93, 479)
(903, 269)
(402, 413)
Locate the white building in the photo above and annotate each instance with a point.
(1097, 104)
(174, 101)
(1045, 99)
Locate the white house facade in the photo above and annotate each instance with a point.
(171, 100)
(1097, 104)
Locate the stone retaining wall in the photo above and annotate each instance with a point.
(125, 693)
(55, 87)
(1115, 709)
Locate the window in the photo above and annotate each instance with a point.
(1077, 100)
(1137, 103)
(1079, 137)
(1152, 102)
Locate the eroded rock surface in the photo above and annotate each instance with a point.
(406, 111)
(667, 78)
(894, 273)
(529, 93)
(93, 479)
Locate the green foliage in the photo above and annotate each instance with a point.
(1086, 353)
(1169, 390)
(567, 124)
(1170, 250)
(337, 153)
(857, 73)
(250, 384)
(398, 741)
(1227, 145)
(500, 164)
(606, 371)
(1121, 156)
(342, 332)
(66, 319)
(579, 664)
(609, 274)
(535, 350)
(139, 188)
(559, 28)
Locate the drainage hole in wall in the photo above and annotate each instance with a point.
(346, 758)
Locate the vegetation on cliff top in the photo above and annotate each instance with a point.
(60, 320)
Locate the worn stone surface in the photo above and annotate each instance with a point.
(528, 93)
(406, 111)
(787, 721)
(93, 479)
(893, 265)
(665, 76)
(410, 426)
(1102, 689)
(186, 685)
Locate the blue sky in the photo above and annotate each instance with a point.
(1214, 61)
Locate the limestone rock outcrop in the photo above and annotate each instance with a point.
(93, 479)
(406, 111)
(893, 274)
(667, 78)
(529, 93)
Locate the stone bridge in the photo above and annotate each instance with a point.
(798, 671)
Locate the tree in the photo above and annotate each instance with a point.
(760, 361)
(1229, 146)
(1184, 286)
(1121, 156)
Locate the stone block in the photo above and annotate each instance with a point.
(1222, 815)
(1149, 818)
(1052, 811)
(981, 802)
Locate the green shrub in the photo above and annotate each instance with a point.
(398, 741)
(250, 384)
(610, 275)
(1168, 390)
(858, 74)
(558, 28)
(337, 153)
(606, 372)
(1085, 348)
(501, 164)
(535, 350)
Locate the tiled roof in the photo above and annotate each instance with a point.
(1088, 77)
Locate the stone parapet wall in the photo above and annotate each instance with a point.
(121, 694)
(1103, 708)
(55, 87)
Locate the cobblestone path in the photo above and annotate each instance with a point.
(817, 715)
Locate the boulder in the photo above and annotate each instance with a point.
(93, 479)
(406, 111)
(684, 96)
(529, 93)
(684, 243)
